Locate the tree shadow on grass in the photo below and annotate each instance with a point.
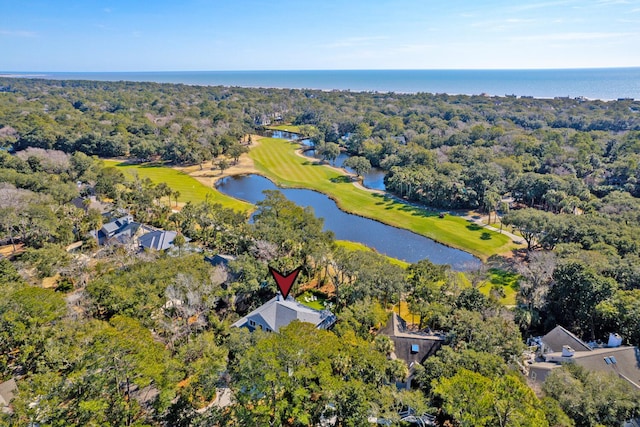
(393, 203)
(149, 165)
(474, 227)
(504, 278)
(341, 179)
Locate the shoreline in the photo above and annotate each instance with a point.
(247, 166)
(560, 82)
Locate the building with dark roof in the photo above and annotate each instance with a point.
(119, 230)
(111, 228)
(561, 346)
(220, 259)
(559, 337)
(278, 312)
(410, 346)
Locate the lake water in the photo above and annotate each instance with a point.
(391, 241)
(374, 179)
(595, 83)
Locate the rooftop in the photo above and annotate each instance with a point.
(158, 240)
(558, 337)
(277, 313)
(411, 346)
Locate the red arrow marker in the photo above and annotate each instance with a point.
(284, 282)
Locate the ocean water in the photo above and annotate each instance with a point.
(601, 83)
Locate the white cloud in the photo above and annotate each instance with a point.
(610, 2)
(541, 5)
(574, 36)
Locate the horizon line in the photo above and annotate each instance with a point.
(320, 69)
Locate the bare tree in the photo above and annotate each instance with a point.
(536, 274)
(188, 303)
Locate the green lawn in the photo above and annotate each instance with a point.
(276, 159)
(191, 190)
(506, 282)
(313, 300)
(356, 246)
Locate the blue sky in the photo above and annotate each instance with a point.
(159, 35)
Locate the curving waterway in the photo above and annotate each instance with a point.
(374, 179)
(385, 239)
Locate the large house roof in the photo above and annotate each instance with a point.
(115, 225)
(277, 313)
(158, 240)
(558, 337)
(621, 361)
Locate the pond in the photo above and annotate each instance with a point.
(282, 134)
(391, 241)
(374, 179)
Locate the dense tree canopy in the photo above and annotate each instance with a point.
(121, 337)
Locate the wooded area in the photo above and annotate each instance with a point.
(110, 335)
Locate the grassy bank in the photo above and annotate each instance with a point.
(191, 190)
(355, 246)
(276, 159)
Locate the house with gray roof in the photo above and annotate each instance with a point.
(120, 230)
(620, 361)
(158, 240)
(111, 228)
(559, 337)
(561, 346)
(278, 312)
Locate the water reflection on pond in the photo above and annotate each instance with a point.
(281, 134)
(373, 179)
(394, 242)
